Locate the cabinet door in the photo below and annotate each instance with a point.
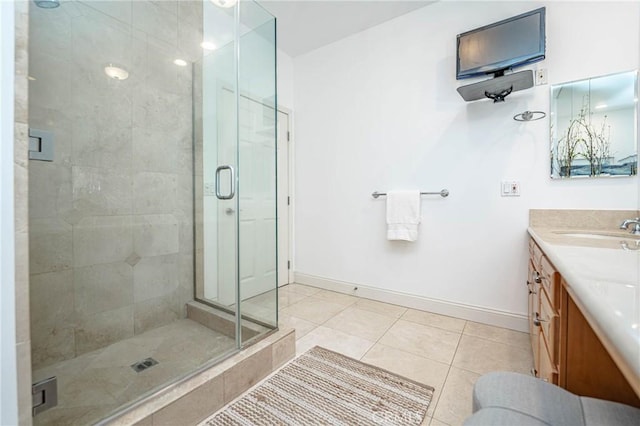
(533, 287)
(548, 320)
(547, 371)
(590, 370)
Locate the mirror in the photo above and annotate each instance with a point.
(593, 126)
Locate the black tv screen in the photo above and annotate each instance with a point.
(502, 45)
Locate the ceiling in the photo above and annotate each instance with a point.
(305, 25)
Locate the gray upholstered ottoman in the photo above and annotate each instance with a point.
(502, 398)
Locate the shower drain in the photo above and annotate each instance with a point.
(143, 365)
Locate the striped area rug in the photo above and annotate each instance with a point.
(322, 387)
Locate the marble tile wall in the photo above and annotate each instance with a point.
(21, 214)
(112, 216)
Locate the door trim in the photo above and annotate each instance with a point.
(291, 185)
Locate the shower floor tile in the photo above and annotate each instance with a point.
(94, 384)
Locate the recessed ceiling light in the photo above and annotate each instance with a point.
(224, 3)
(115, 72)
(601, 106)
(208, 45)
(31, 78)
(180, 62)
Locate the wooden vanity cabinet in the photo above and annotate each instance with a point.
(590, 370)
(566, 350)
(544, 312)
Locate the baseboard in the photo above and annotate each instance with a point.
(480, 314)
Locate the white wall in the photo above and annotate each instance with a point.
(8, 377)
(284, 64)
(379, 111)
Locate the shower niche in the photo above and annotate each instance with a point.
(132, 255)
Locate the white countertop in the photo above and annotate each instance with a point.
(605, 281)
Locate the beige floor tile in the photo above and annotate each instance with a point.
(265, 299)
(259, 312)
(335, 297)
(482, 356)
(455, 402)
(73, 416)
(381, 307)
(430, 342)
(93, 384)
(334, 340)
(301, 289)
(301, 326)
(126, 352)
(312, 309)
(414, 367)
(434, 320)
(498, 334)
(96, 386)
(357, 322)
(288, 297)
(68, 368)
(436, 422)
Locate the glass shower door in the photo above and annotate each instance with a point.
(217, 162)
(257, 164)
(236, 267)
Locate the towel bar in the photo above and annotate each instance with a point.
(444, 193)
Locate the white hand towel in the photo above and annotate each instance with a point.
(403, 215)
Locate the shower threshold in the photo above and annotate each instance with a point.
(93, 385)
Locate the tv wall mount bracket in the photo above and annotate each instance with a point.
(499, 97)
(497, 88)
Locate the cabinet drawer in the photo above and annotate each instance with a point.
(548, 326)
(536, 255)
(550, 280)
(532, 244)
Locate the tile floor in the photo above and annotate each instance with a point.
(92, 385)
(444, 352)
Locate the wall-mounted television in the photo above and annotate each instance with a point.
(500, 46)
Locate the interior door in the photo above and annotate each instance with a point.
(284, 200)
(257, 198)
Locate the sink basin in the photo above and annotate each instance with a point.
(599, 235)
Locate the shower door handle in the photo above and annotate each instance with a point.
(232, 191)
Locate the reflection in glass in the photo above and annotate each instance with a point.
(593, 127)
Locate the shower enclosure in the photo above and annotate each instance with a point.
(152, 194)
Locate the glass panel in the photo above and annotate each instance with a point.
(216, 191)
(141, 198)
(594, 127)
(257, 161)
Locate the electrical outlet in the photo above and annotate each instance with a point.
(541, 76)
(510, 189)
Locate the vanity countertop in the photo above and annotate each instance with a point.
(603, 278)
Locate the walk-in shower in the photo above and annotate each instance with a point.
(153, 215)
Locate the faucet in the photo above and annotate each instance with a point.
(636, 225)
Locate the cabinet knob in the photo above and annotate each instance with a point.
(536, 320)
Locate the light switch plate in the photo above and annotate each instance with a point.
(510, 188)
